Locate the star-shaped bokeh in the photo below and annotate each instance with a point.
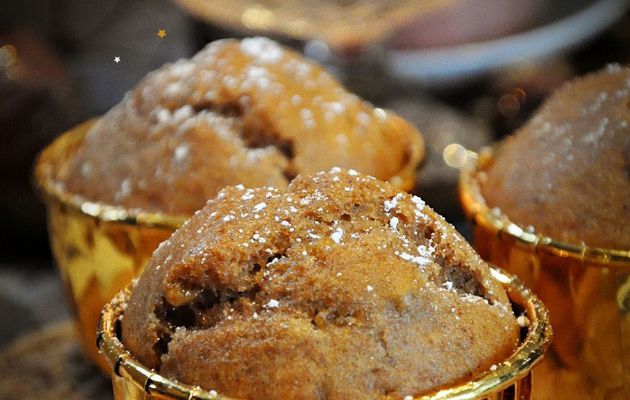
(117, 59)
(161, 33)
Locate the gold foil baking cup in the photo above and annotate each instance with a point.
(586, 289)
(511, 380)
(98, 248)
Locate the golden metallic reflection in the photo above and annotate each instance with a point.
(98, 249)
(586, 292)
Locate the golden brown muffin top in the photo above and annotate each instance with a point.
(239, 112)
(567, 171)
(339, 287)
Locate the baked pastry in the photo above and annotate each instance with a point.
(239, 112)
(339, 287)
(566, 173)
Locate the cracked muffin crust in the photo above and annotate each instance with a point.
(339, 287)
(566, 173)
(239, 112)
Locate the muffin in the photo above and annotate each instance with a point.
(566, 173)
(239, 112)
(552, 206)
(338, 287)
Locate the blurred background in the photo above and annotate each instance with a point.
(464, 71)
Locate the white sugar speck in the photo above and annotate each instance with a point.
(183, 113)
(389, 205)
(163, 115)
(307, 118)
(426, 251)
(257, 76)
(522, 321)
(273, 303)
(337, 235)
(369, 288)
(181, 152)
(393, 223)
(418, 202)
(380, 114)
(260, 206)
(418, 260)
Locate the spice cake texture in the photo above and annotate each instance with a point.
(339, 286)
(239, 112)
(566, 173)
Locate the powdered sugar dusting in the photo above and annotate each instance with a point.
(389, 205)
(418, 260)
(257, 76)
(393, 223)
(262, 49)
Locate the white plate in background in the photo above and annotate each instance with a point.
(449, 65)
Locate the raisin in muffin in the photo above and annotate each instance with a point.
(338, 287)
(239, 112)
(567, 171)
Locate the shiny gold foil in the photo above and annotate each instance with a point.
(98, 249)
(587, 291)
(511, 380)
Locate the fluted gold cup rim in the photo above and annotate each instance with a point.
(46, 174)
(476, 209)
(514, 368)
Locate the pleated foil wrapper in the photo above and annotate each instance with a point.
(508, 380)
(98, 249)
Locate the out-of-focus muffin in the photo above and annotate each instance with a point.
(239, 112)
(566, 173)
(339, 287)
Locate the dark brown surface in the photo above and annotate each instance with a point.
(248, 112)
(339, 288)
(567, 171)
